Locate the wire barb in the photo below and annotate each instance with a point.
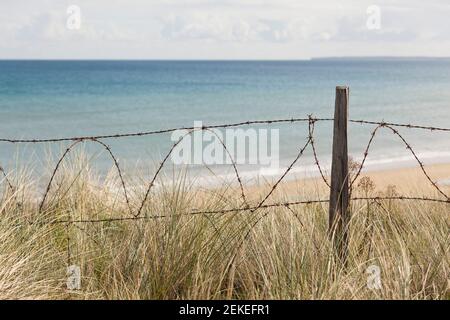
(246, 207)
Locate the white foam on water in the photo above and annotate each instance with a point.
(444, 182)
(310, 170)
(251, 175)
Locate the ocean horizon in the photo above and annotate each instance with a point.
(42, 99)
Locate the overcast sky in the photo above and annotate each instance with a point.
(223, 29)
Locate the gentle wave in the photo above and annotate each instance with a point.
(254, 175)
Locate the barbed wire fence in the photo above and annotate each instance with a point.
(136, 214)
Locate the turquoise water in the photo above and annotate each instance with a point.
(45, 99)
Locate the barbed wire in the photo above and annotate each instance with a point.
(64, 155)
(405, 198)
(311, 125)
(160, 167)
(218, 126)
(227, 211)
(161, 131)
(245, 206)
(2, 171)
(316, 158)
(409, 126)
(408, 147)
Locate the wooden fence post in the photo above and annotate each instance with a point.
(339, 215)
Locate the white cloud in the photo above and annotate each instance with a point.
(205, 26)
(221, 28)
(229, 28)
(52, 26)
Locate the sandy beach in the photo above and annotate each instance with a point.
(413, 178)
(407, 181)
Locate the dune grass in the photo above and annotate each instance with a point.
(287, 255)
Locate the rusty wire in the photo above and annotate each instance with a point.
(64, 155)
(408, 147)
(261, 205)
(6, 178)
(161, 131)
(160, 167)
(245, 207)
(316, 158)
(409, 126)
(218, 126)
(228, 211)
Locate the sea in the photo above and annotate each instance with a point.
(58, 99)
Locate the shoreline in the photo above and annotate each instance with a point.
(439, 172)
(407, 181)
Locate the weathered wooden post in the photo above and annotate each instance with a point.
(339, 216)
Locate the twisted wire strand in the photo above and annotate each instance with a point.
(64, 155)
(228, 211)
(160, 167)
(310, 141)
(261, 203)
(316, 158)
(246, 207)
(218, 126)
(409, 126)
(408, 147)
(161, 131)
(6, 178)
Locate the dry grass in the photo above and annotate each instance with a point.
(286, 256)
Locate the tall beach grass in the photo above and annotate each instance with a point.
(286, 255)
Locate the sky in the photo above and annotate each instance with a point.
(222, 29)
